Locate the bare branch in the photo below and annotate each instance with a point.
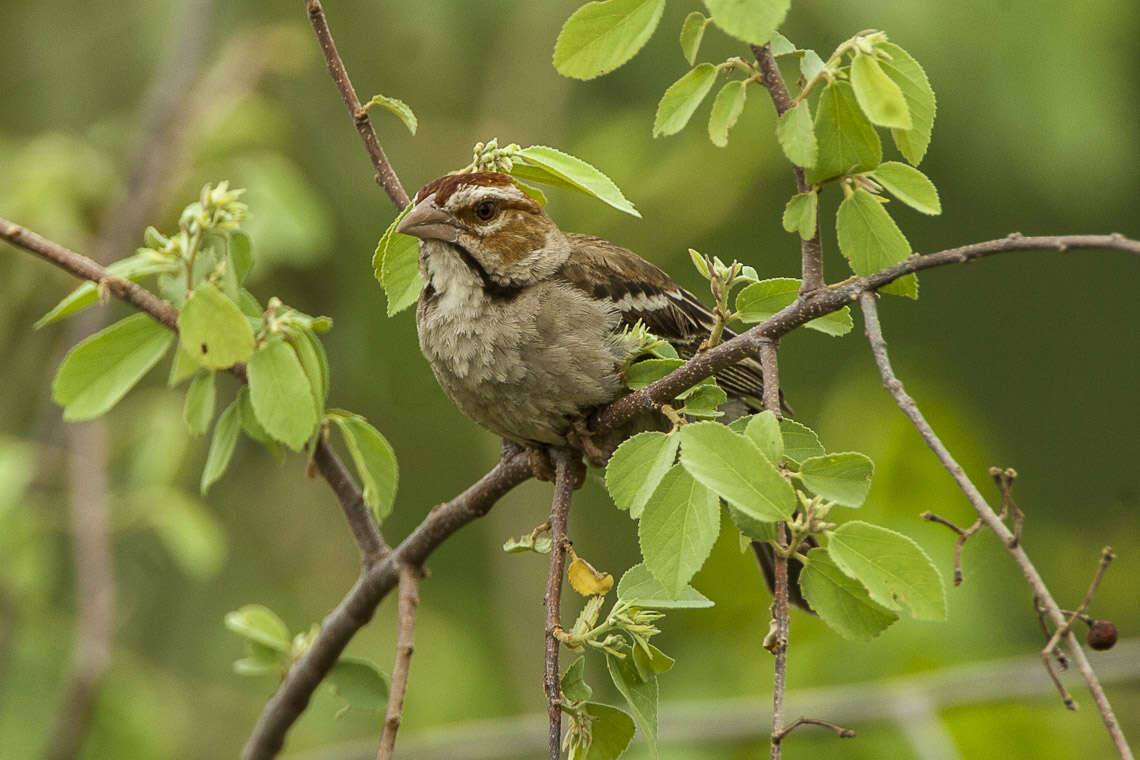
(843, 733)
(564, 477)
(359, 604)
(812, 305)
(987, 514)
(385, 174)
(770, 368)
(777, 640)
(811, 251)
(405, 645)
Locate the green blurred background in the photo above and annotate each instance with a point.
(1026, 359)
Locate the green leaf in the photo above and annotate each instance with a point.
(781, 45)
(648, 371)
(187, 529)
(842, 602)
(868, 237)
(703, 401)
(374, 459)
(763, 429)
(911, 79)
(909, 185)
(610, 732)
(396, 266)
(200, 399)
(600, 36)
(553, 167)
(682, 98)
(397, 107)
(132, 268)
(796, 134)
(184, 365)
(649, 659)
(315, 365)
(847, 140)
(259, 624)
(692, 31)
(637, 467)
(811, 65)
(896, 571)
(750, 525)
(726, 109)
(281, 394)
(221, 446)
(640, 695)
(678, 529)
(573, 683)
(359, 682)
(800, 441)
(100, 369)
(753, 21)
(241, 253)
(801, 213)
(844, 478)
(641, 586)
(735, 469)
(213, 329)
(761, 300)
(878, 95)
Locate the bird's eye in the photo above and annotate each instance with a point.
(486, 210)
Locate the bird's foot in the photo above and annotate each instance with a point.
(580, 437)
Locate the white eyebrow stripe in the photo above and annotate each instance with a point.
(470, 193)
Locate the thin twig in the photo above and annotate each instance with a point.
(564, 461)
(991, 519)
(1050, 649)
(843, 733)
(385, 174)
(811, 251)
(405, 645)
(963, 534)
(777, 643)
(1004, 480)
(770, 368)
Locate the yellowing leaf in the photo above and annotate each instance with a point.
(586, 580)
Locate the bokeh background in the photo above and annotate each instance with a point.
(1026, 360)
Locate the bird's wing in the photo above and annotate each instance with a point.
(641, 291)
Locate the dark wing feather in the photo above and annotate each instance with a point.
(642, 291)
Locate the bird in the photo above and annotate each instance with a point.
(526, 327)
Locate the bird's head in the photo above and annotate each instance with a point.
(495, 228)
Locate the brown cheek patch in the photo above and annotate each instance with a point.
(515, 239)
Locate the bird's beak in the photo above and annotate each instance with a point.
(428, 221)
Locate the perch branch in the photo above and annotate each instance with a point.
(777, 640)
(986, 513)
(564, 461)
(405, 644)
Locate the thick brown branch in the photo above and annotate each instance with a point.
(987, 514)
(777, 641)
(564, 476)
(405, 645)
(770, 367)
(359, 604)
(812, 305)
(811, 251)
(385, 174)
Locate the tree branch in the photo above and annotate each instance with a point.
(359, 604)
(811, 251)
(385, 174)
(811, 305)
(405, 645)
(777, 641)
(987, 514)
(564, 461)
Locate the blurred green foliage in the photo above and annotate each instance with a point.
(1026, 360)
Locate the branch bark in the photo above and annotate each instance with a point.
(405, 646)
(908, 406)
(385, 174)
(811, 251)
(564, 462)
